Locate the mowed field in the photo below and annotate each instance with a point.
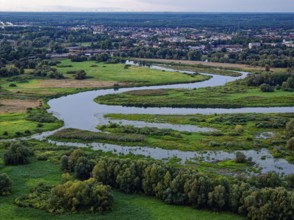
(16, 105)
(132, 75)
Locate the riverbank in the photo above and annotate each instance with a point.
(230, 66)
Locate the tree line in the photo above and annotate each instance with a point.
(261, 197)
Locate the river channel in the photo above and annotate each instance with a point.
(81, 112)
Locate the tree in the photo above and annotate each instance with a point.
(290, 143)
(240, 157)
(289, 84)
(80, 75)
(266, 88)
(5, 184)
(78, 195)
(64, 163)
(17, 154)
(290, 129)
(83, 168)
(217, 198)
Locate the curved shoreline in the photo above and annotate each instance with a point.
(81, 112)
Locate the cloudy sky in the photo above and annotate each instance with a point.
(149, 5)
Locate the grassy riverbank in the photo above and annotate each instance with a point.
(228, 66)
(126, 75)
(232, 95)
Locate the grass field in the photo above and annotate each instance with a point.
(231, 95)
(17, 125)
(28, 89)
(125, 206)
(132, 75)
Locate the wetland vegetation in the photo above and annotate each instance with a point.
(241, 93)
(44, 176)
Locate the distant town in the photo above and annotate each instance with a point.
(203, 44)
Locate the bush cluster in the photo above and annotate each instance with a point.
(71, 196)
(18, 153)
(5, 184)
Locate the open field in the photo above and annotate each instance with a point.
(27, 91)
(16, 105)
(18, 124)
(47, 87)
(211, 64)
(125, 206)
(132, 75)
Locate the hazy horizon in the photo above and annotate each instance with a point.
(196, 6)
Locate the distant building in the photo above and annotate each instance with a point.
(255, 44)
(288, 43)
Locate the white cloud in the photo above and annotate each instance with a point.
(149, 5)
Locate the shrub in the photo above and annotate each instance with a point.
(290, 144)
(80, 75)
(290, 128)
(239, 128)
(270, 179)
(5, 184)
(40, 125)
(18, 133)
(240, 157)
(28, 132)
(83, 168)
(17, 154)
(290, 181)
(213, 144)
(77, 195)
(266, 88)
(37, 198)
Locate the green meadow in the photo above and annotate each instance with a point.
(232, 95)
(18, 125)
(132, 75)
(125, 206)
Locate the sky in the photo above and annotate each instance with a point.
(149, 5)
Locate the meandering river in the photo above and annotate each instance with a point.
(81, 112)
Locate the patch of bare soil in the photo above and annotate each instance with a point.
(67, 83)
(17, 105)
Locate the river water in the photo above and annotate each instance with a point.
(81, 112)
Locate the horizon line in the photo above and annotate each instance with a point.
(195, 12)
